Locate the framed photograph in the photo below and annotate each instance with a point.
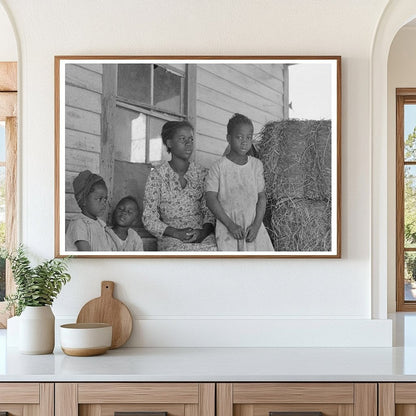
(172, 156)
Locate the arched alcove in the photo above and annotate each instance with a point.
(401, 74)
(397, 14)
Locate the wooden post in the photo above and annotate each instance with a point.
(107, 124)
(190, 101)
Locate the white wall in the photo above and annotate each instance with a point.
(8, 46)
(206, 301)
(401, 74)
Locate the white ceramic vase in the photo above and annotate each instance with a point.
(37, 330)
(12, 334)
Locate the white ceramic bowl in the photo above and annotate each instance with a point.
(85, 339)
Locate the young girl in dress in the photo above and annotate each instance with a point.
(235, 193)
(86, 232)
(121, 235)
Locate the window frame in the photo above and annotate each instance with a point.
(403, 96)
(151, 110)
(8, 113)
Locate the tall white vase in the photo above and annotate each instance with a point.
(37, 330)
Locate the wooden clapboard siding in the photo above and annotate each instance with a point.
(210, 96)
(272, 76)
(69, 179)
(206, 159)
(256, 90)
(271, 68)
(212, 112)
(231, 77)
(84, 99)
(211, 145)
(82, 120)
(98, 68)
(81, 77)
(78, 160)
(71, 204)
(207, 111)
(210, 128)
(82, 141)
(244, 95)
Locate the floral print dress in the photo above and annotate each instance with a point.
(166, 203)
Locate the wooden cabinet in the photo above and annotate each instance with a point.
(332, 399)
(27, 399)
(397, 399)
(208, 399)
(105, 399)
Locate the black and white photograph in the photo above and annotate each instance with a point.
(198, 156)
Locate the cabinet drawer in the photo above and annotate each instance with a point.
(138, 393)
(270, 399)
(21, 399)
(148, 399)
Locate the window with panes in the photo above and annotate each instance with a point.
(406, 199)
(148, 95)
(8, 174)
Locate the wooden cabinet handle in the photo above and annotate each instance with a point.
(295, 413)
(139, 414)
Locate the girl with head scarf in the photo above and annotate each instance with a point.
(86, 232)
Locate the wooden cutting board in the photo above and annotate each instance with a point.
(108, 310)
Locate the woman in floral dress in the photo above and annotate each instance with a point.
(174, 204)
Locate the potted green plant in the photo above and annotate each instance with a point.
(36, 289)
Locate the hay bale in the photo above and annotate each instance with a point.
(297, 158)
(296, 155)
(301, 225)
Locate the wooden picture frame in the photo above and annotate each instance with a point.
(109, 111)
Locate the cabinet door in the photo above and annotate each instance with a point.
(297, 399)
(397, 399)
(142, 399)
(26, 399)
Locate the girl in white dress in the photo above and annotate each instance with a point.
(235, 193)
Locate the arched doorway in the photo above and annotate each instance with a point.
(395, 16)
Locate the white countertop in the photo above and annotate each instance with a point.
(215, 364)
(221, 364)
